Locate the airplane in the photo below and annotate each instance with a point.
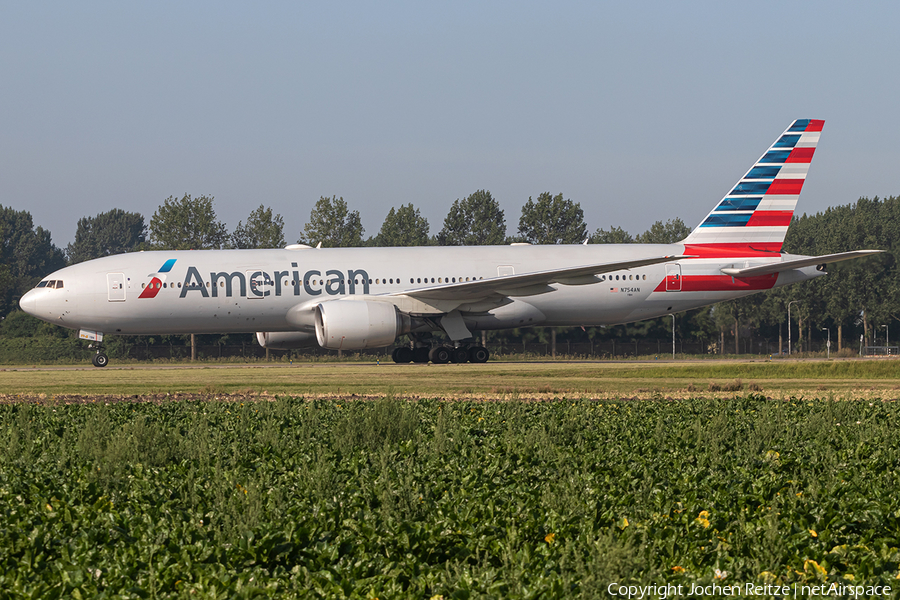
(358, 298)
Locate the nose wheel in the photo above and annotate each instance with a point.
(100, 359)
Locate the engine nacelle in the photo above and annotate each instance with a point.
(358, 324)
(285, 340)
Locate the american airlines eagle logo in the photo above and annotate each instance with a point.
(157, 279)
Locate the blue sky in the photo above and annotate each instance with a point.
(639, 111)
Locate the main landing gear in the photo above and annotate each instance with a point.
(440, 354)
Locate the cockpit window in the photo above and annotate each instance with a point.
(53, 283)
(59, 284)
(43, 284)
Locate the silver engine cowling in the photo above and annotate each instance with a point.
(285, 340)
(358, 324)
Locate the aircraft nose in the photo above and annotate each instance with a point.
(28, 302)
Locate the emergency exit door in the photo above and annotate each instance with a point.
(115, 287)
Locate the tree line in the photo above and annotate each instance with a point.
(857, 298)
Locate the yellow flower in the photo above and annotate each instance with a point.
(678, 569)
(549, 538)
(701, 518)
(813, 533)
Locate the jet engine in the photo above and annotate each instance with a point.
(358, 324)
(285, 340)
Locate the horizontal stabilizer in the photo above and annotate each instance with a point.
(529, 283)
(799, 263)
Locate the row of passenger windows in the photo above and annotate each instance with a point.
(630, 278)
(378, 281)
(53, 283)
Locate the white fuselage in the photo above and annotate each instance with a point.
(231, 291)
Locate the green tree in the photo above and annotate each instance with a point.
(27, 253)
(261, 231)
(552, 220)
(670, 232)
(187, 224)
(112, 232)
(476, 221)
(403, 227)
(333, 225)
(615, 235)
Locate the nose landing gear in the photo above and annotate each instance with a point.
(100, 359)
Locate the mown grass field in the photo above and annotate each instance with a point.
(779, 378)
(520, 481)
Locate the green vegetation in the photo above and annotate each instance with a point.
(392, 499)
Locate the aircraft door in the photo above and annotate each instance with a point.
(115, 287)
(673, 278)
(259, 284)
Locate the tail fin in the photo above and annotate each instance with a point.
(754, 216)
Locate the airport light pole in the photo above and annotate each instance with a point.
(828, 345)
(887, 344)
(673, 334)
(789, 326)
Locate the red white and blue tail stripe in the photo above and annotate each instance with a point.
(754, 216)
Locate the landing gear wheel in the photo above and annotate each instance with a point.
(403, 354)
(420, 355)
(478, 354)
(100, 360)
(439, 355)
(459, 355)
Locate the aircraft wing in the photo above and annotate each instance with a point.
(788, 265)
(528, 284)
